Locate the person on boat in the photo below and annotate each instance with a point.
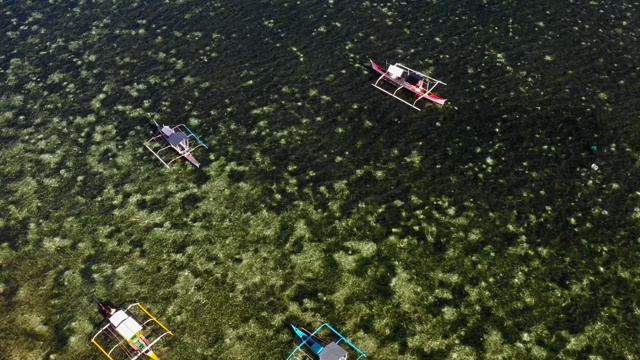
(107, 310)
(594, 158)
(421, 90)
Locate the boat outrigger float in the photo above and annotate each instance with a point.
(176, 138)
(126, 332)
(317, 345)
(403, 77)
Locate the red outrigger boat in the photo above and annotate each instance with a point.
(405, 78)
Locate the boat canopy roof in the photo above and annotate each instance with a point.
(118, 317)
(128, 328)
(333, 352)
(167, 131)
(125, 325)
(413, 79)
(176, 138)
(395, 71)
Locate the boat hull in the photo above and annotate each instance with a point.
(192, 160)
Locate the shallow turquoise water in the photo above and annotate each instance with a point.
(472, 230)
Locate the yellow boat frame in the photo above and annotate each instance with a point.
(138, 334)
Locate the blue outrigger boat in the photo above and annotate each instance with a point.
(312, 346)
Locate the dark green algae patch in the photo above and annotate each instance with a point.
(475, 230)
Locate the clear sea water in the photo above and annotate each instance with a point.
(473, 230)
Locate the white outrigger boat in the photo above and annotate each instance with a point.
(128, 338)
(176, 138)
(405, 78)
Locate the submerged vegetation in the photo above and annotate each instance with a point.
(475, 230)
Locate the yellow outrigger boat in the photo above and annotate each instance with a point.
(127, 332)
